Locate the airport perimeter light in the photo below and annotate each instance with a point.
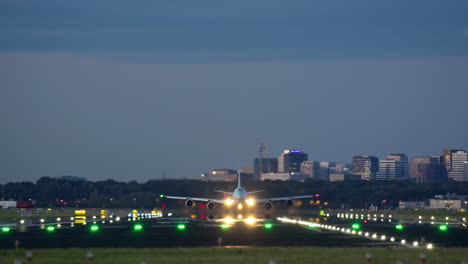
(137, 227)
(443, 228)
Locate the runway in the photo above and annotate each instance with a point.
(183, 232)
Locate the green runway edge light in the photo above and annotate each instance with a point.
(137, 227)
(443, 228)
(356, 226)
(268, 225)
(181, 227)
(225, 226)
(50, 229)
(5, 229)
(161, 196)
(312, 226)
(94, 228)
(399, 227)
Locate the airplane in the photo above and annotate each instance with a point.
(239, 198)
(15, 204)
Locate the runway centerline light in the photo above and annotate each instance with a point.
(181, 226)
(137, 227)
(443, 228)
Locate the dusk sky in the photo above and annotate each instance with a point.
(125, 90)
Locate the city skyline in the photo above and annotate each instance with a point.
(133, 91)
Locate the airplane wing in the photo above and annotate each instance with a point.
(196, 199)
(254, 192)
(230, 193)
(275, 199)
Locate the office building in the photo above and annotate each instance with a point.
(453, 163)
(310, 168)
(270, 165)
(290, 161)
(395, 167)
(366, 166)
(466, 170)
(426, 169)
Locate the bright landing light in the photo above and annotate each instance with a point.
(229, 202)
(239, 206)
(250, 202)
(229, 220)
(251, 220)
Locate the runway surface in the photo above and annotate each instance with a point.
(179, 232)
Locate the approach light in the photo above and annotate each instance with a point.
(399, 227)
(268, 225)
(137, 227)
(5, 229)
(443, 228)
(181, 226)
(50, 229)
(356, 226)
(94, 228)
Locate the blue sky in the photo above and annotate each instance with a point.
(110, 89)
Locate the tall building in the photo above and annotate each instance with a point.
(466, 170)
(453, 162)
(395, 167)
(323, 172)
(366, 166)
(270, 165)
(426, 169)
(290, 161)
(310, 168)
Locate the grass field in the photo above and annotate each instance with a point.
(240, 255)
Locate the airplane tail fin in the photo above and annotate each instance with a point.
(239, 180)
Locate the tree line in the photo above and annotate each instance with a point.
(51, 192)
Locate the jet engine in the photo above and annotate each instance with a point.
(267, 205)
(289, 202)
(210, 205)
(189, 202)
